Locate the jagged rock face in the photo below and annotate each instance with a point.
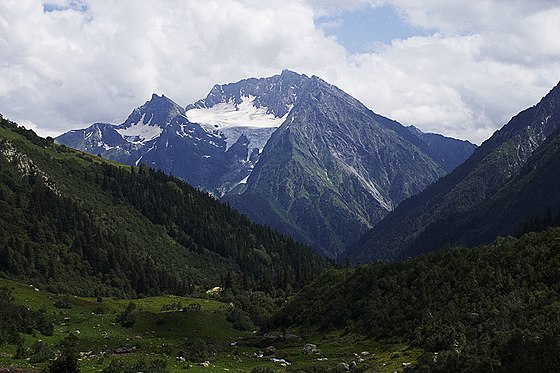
(276, 94)
(290, 151)
(448, 212)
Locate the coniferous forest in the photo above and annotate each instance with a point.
(75, 223)
(494, 308)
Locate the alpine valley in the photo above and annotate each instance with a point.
(289, 151)
(123, 268)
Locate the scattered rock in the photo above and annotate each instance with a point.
(281, 361)
(86, 353)
(270, 350)
(364, 353)
(342, 367)
(310, 348)
(206, 364)
(268, 339)
(292, 337)
(123, 350)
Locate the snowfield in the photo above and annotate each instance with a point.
(140, 132)
(227, 115)
(232, 121)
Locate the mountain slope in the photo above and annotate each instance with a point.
(439, 216)
(79, 224)
(492, 308)
(533, 194)
(290, 151)
(332, 170)
(449, 151)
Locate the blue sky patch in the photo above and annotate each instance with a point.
(364, 29)
(77, 5)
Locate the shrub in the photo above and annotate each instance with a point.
(126, 319)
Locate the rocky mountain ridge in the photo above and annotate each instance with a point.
(474, 203)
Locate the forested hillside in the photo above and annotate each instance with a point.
(75, 223)
(494, 308)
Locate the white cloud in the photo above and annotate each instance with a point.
(96, 60)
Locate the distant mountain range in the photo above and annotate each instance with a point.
(510, 183)
(290, 151)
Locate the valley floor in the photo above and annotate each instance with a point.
(195, 331)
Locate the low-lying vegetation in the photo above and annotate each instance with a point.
(196, 337)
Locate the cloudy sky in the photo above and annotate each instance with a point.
(461, 68)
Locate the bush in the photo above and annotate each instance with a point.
(262, 370)
(198, 351)
(240, 319)
(193, 307)
(154, 366)
(172, 307)
(127, 319)
(67, 361)
(63, 303)
(40, 352)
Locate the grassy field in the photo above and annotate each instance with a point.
(197, 333)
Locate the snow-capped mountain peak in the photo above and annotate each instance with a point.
(148, 121)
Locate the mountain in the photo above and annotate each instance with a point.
(76, 223)
(213, 145)
(333, 169)
(510, 178)
(450, 152)
(492, 308)
(290, 151)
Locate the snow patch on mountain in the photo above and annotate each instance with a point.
(228, 114)
(140, 132)
(231, 121)
(258, 137)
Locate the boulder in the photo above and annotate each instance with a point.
(310, 348)
(267, 340)
(292, 337)
(270, 350)
(342, 367)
